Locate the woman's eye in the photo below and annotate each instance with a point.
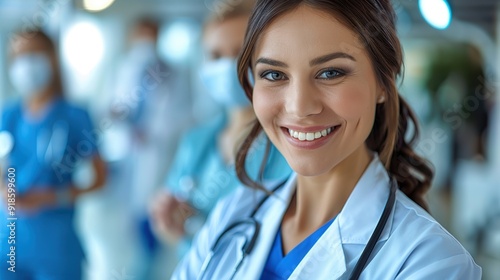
(273, 76)
(330, 74)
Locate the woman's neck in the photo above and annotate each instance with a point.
(320, 198)
(40, 101)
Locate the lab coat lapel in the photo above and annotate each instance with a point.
(326, 258)
(365, 205)
(354, 225)
(270, 216)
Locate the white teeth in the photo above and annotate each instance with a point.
(309, 136)
(302, 136)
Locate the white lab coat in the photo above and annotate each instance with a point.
(412, 246)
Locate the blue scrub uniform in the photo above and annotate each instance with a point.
(281, 267)
(200, 176)
(46, 150)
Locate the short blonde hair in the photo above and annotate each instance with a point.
(226, 9)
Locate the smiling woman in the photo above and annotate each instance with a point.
(324, 93)
(356, 69)
(315, 90)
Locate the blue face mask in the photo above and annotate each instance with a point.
(30, 73)
(221, 79)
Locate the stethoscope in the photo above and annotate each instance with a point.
(234, 230)
(51, 143)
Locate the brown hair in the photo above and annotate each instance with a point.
(374, 22)
(25, 36)
(145, 26)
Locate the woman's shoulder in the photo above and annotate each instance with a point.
(409, 216)
(70, 109)
(407, 207)
(423, 244)
(10, 114)
(75, 113)
(11, 107)
(232, 208)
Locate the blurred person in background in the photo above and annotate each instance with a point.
(461, 104)
(149, 108)
(50, 137)
(460, 101)
(203, 168)
(154, 108)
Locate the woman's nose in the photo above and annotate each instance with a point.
(303, 99)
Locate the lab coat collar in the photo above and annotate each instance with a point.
(354, 225)
(365, 205)
(363, 208)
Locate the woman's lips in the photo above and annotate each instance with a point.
(309, 137)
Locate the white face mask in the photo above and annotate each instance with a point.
(142, 51)
(221, 79)
(30, 73)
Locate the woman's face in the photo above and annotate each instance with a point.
(224, 39)
(32, 66)
(315, 90)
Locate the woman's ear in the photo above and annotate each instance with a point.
(381, 97)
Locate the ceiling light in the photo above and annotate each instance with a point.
(96, 5)
(436, 12)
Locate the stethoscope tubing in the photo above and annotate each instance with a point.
(365, 255)
(248, 246)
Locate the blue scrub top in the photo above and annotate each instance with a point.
(48, 147)
(46, 151)
(200, 175)
(280, 267)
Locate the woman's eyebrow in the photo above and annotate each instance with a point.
(271, 62)
(316, 61)
(331, 56)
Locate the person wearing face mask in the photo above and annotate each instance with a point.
(153, 108)
(203, 169)
(50, 137)
(148, 109)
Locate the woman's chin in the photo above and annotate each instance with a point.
(309, 169)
